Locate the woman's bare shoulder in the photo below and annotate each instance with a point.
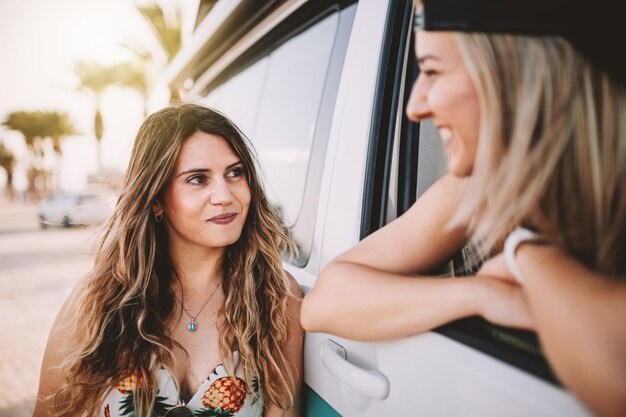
(294, 286)
(61, 344)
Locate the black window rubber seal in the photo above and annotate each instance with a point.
(383, 123)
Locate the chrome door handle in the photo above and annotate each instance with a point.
(369, 382)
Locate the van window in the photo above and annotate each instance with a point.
(276, 102)
(282, 102)
(288, 113)
(228, 97)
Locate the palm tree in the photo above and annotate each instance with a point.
(8, 161)
(28, 123)
(167, 33)
(56, 126)
(95, 78)
(133, 75)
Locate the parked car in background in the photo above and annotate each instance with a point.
(70, 209)
(319, 87)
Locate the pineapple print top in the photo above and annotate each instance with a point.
(218, 396)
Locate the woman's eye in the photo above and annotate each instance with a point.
(235, 172)
(429, 72)
(196, 179)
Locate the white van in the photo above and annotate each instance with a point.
(319, 86)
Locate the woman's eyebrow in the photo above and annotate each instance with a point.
(421, 59)
(193, 170)
(234, 164)
(197, 170)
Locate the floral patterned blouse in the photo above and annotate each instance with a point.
(218, 395)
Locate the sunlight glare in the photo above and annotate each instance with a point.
(97, 33)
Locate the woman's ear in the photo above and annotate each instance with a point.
(157, 211)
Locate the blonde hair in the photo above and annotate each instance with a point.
(127, 299)
(552, 148)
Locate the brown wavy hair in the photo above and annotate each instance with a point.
(127, 299)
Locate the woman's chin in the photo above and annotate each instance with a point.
(459, 170)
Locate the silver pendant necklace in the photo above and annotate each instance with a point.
(192, 326)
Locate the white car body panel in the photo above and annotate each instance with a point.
(76, 209)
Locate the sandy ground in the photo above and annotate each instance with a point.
(38, 268)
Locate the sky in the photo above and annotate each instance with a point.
(40, 40)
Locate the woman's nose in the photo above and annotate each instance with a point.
(221, 194)
(417, 107)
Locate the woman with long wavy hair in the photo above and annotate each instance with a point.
(529, 98)
(187, 310)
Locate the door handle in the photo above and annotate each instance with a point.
(369, 382)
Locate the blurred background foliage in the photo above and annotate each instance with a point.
(43, 131)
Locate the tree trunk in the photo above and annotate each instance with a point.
(58, 156)
(30, 169)
(56, 182)
(99, 131)
(10, 189)
(174, 95)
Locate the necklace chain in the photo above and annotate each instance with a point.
(192, 325)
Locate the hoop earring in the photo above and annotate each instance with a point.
(158, 217)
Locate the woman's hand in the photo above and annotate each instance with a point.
(496, 267)
(503, 302)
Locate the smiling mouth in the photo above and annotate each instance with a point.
(446, 135)
(223, 218)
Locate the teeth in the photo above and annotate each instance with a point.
(445, 134)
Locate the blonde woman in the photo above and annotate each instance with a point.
(530, 103)
(188, 310)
